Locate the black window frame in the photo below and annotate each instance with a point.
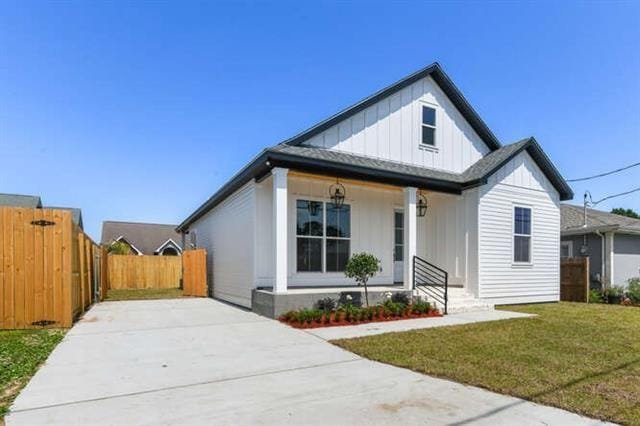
(326, 239)
(431, 126)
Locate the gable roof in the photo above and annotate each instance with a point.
(342, 164)
(145, 237)
(572, 221)
(436, 72)
(18, 200)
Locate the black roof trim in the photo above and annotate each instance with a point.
(542, 160)
(272, 157)
(439, 76)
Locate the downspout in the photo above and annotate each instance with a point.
(602, 259)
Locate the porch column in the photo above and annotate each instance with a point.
(279, 229)
(410, 234)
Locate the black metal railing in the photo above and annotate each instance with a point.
(431, 281)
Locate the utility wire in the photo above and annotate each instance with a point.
(614, 196)
(604, 174)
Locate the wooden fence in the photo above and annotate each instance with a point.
(49, 269)
(194, 278)
(143, 272)
(574, 279)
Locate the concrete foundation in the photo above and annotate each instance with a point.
(272, 305)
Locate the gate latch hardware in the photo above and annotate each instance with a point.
(42, 222)
(43, 323)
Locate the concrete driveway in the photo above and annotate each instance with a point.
(199, 361)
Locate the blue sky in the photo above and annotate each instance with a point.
(141, 110)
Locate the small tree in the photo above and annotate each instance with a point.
(119, 247)
(361, 267)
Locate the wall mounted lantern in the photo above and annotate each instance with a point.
(421, 207)
(337, 194)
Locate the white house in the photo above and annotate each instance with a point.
(490, 232)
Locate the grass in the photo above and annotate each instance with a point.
(583, 358)
(144, 294)
(21, 353)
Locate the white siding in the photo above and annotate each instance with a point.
(227, 232)
(391, 130)
(520, 182)
(626, 258)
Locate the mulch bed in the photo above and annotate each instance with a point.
(343, 322)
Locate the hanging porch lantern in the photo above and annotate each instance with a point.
(337, 194)
(421, 207)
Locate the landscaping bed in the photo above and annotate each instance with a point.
(21, 353)
(330, 313)
(576, 356)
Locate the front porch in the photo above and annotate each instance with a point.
(305, 240)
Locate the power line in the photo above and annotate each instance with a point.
(604, 174)
(613, 196)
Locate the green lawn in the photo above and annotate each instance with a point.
(163, 293)
(583, 358)
(21, 353)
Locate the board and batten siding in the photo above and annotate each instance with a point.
(227, 232)
(391, 130)
(519, 183)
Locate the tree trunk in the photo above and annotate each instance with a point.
(366, 294)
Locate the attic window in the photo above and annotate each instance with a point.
(428, 126)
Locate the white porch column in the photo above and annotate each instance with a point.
(410, 234)
(280, 229)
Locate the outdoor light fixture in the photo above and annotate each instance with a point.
(421, 207)
(337, 193)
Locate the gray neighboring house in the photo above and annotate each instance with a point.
(144, 238)
(611, 241)
(18, 200)
(35, 202)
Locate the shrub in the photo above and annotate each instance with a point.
(421, 307)
(401, 298)
(291, 316)
(326, 305)
(595, 296)
(119, 247)
(633, 290)
(361, 267)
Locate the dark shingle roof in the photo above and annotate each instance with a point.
(146, 237)
(364, 161)
(17, 200)
(339, 163)
(572, 220)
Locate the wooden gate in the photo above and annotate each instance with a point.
(574, 279)
(143, 272)
(45, 272)
(194, 272)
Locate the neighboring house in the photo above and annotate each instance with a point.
(18, 200)
(492, 220)
(611, 241)
(143, 238)
(34, 202)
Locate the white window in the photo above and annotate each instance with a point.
(428, 136)
(566, 249)
(323, 234)
(522, 235)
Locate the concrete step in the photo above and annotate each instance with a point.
(459, 300)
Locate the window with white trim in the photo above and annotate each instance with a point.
(522, 235)
(323, 236)
(428, 136)
(566, 249)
